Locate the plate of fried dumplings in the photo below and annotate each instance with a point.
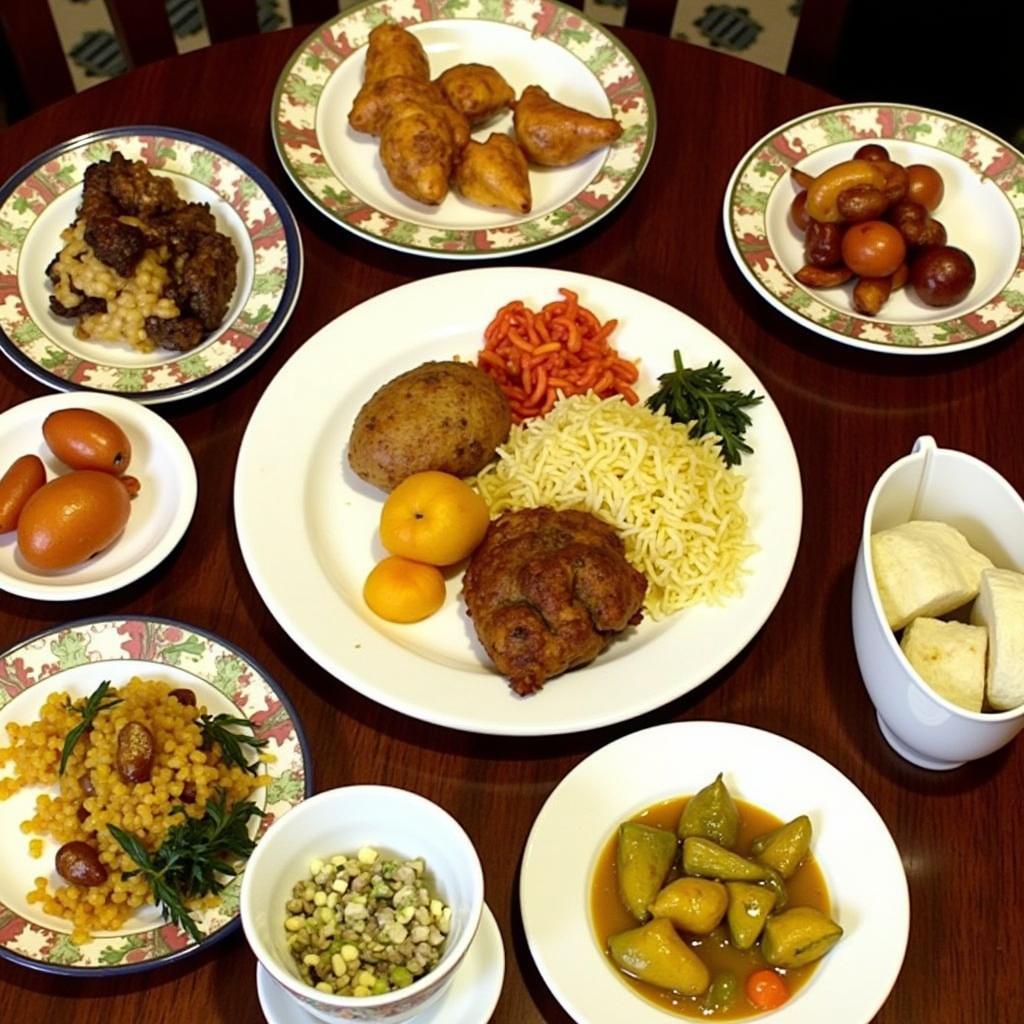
(473, 130)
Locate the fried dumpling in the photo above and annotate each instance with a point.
(477, 91)
(494, 173)
(395, 51)
(554, 135)
(375, 101)
(418, 152)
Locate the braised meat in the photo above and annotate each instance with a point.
(118, 245)
(137, 191)
(180, 333)
(548, 591)
(206, 280)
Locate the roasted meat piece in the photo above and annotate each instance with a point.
(207, 279)
(548, 591)
(139, 192)
(120, 246)
(179, 333)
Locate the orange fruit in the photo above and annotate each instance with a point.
(401, 590)
(434, 518)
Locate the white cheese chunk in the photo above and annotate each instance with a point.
(924, 569)
(1000, 607)
(950, 658)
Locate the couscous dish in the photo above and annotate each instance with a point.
(141, 758)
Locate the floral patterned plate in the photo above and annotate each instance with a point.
(76, 658)
(40, 200)
(538, 42)
(982, 210)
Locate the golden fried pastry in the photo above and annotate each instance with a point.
(418, 151)
(375, 100)
(494, 173)
(554, 135)
(478, 91)
(394, 51)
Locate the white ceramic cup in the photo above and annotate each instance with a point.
(341, 821)
(949, 487)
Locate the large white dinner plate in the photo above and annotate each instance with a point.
(39, 201)
(530, 42)
(308, 526)
(982, 210)
(160, 512)
(75, 658)
(853, 848)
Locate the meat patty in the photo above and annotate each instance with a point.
(443, 416)
(548, 591)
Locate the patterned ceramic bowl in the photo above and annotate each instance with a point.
(342, 821)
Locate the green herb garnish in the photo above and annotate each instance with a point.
(194, 853)
(88, 709)
(217, 729)
(699, 397)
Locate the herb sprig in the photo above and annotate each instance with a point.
(192, 856)
(88, 709)
(219, 729)
(699, 397)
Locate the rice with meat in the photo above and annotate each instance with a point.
(675, 504)
(148, 810)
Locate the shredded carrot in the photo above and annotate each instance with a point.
(563, 349)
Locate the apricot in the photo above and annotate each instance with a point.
(401, 590)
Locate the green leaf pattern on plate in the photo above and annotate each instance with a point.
(48, 939)
(294, 122)
(50, 344)
(759, 176)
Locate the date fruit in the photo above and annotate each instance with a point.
(79, 864)
(135, 752)
(942, 275)
(185, 696)
(823, 244)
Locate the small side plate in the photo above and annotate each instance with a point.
(160, 513)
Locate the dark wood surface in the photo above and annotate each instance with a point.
(850, 414)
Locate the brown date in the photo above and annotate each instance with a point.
(822, 277)
(79, 864)
(932, 233)
(870, 294)
(85, 784)
(135, 752)
(899, 279)
(860, 203)
(823, 244)
(895, 187)
(942, 275)
(909, 218)
(798, 211)
(188, 792)
(871, 151)
(184, 696)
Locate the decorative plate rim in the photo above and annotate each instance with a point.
(999, 174)
(286, 300)
(439, 13)
(191, 947)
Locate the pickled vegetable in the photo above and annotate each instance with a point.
(749, 907)
(722, 993)
(706, 859)
(785, 847)
(643, 860)
(711, 813)
(694, 905)
(798, 936)
(656, 954)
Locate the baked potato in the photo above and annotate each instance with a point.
(444, 416)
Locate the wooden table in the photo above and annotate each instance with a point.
(850, 414)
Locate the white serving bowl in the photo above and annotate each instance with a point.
(341, 821)
(951, 487)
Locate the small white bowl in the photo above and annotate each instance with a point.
(950, 487)
(160, 513)
(342, 821)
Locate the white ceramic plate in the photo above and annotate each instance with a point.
(531, 42)
(982, 210)
(469, 999)
(39, 201)
(160, 513)
(75, 658)
(854, 850)
(308, 526)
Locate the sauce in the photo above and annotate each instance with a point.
(608, 916)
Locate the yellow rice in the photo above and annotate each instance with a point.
(675, 504)
(145, 809)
